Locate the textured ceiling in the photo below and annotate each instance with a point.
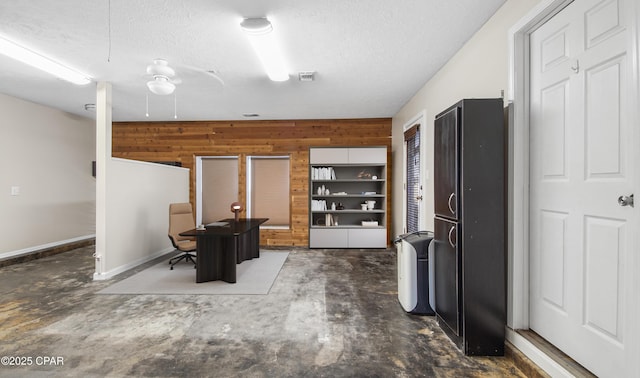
(370, 56)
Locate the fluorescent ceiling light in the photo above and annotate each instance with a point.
(43, 63)
(259, 32)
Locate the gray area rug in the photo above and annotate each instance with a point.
(253, 277)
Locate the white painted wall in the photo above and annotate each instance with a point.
(138, 195)
(132, 201)
(479, 69)
(47, 153)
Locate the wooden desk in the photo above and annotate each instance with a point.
(220, 248)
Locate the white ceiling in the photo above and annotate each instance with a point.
(370, 56)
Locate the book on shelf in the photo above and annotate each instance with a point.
(323, 173)
(329, 220)
(318, 205)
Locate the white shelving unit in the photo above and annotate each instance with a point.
(341, 181)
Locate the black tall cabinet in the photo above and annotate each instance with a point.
(469, 225)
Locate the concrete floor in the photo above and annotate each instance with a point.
(330, 313)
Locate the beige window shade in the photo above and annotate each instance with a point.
(269, 190)
(219, 188)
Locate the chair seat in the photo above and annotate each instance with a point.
(187, 245)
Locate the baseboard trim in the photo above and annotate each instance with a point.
(123, 268)
(523, 363)
(44, 250)
(536, 355)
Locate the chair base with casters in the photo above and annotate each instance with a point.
(187, 255)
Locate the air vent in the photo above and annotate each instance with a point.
(306, 75)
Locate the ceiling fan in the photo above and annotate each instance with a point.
(163, 80)
(163, 77)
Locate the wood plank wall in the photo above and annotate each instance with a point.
(183, 141)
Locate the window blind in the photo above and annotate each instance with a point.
(269, 192)
(412, 141)
(219, 188)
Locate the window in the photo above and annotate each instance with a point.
(268, 191)
(414, 187)
(218, 187)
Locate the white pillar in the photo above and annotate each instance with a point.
(103, 157)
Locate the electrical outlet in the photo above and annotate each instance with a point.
(15, 190)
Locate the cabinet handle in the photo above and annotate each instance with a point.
(449, 203)
(452, 244)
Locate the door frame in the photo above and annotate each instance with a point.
(518, 195)
(420, 118)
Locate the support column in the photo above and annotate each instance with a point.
(103, 157)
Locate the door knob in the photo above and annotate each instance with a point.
(625, 200)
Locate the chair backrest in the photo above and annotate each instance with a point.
(180, 220)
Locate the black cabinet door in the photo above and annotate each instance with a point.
(447, 273)
(446, 172)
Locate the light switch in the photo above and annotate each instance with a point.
(15, 190)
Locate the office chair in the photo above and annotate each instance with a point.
(180, 220)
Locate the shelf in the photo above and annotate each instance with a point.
(348, 211)
(348, 226)
(348, 196)
(349, 180)
(348, 165)
(346, 175)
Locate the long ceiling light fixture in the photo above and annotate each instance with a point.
(31, 58)
(259, 31)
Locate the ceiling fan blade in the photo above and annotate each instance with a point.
(214, 75)
(211, 72)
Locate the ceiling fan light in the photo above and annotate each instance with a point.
(161, 86)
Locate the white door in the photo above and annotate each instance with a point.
(583, 156)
